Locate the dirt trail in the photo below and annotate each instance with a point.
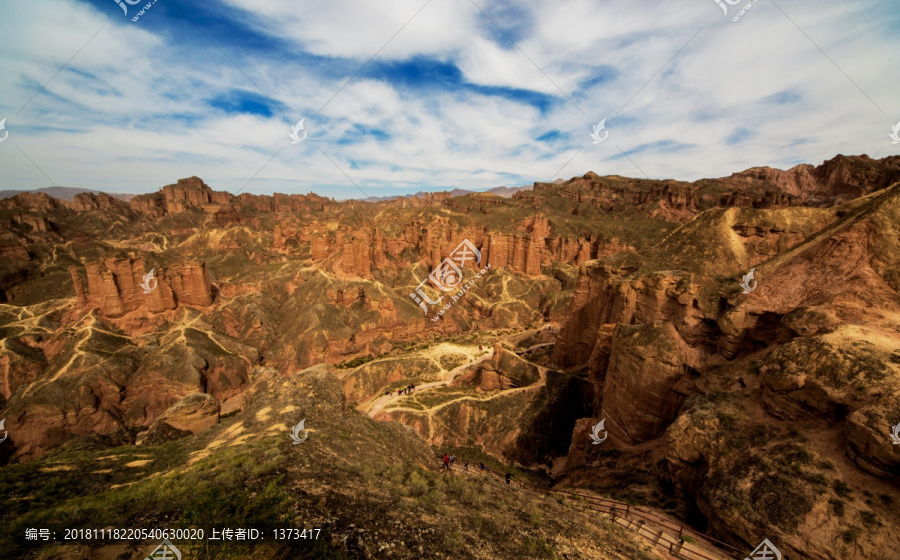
(447, 378)
(373, 407)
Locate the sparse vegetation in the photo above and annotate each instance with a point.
(356, 362)
(538, 547)
(841, 488)
(837, 506)
(851, 535)
(869, 518)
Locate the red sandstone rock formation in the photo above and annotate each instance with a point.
(78, 283)
(12, 249)
(114, 286)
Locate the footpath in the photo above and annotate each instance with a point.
(662, 532)
(446, 380)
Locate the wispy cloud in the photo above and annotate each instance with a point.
(457, 98)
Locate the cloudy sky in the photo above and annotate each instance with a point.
(399, 96)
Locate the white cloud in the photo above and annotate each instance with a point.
(133, 111)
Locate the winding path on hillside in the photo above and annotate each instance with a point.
(535, 347)
(447, 379)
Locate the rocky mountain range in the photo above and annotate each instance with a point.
(738, 337)
(62, 193)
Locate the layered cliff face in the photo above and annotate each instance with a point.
(119, 286)
(686, 363)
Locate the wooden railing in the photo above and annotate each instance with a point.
(676, 542)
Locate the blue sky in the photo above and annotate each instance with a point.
(401, 96)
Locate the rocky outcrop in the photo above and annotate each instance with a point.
(835, 181)
(20, 365)
(369, 379)
(648, 378)
(87, 202)
(114, 285)
(78, 284)
(11, 249)
(185, 194)
(606, 293)
(193, 193)
(723, 373)
(32, 202)
(868, 431)
(193, 413)
(505, 370)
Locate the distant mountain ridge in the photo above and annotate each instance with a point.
(63, 193)
(505, 192)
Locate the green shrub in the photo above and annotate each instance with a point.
(851, 535)
(841, 488)
(537, 547)
(837, 506)
(869, 518)
(817, 478)
(535, 515)
(486, 527)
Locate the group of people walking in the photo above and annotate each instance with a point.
(449, 459)
(402, 390)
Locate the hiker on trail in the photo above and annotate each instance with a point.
(467, 465)
(508, 476)
(447, 462)
(482, 467)
(399, 391)
(480, 348)
(452, 459)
